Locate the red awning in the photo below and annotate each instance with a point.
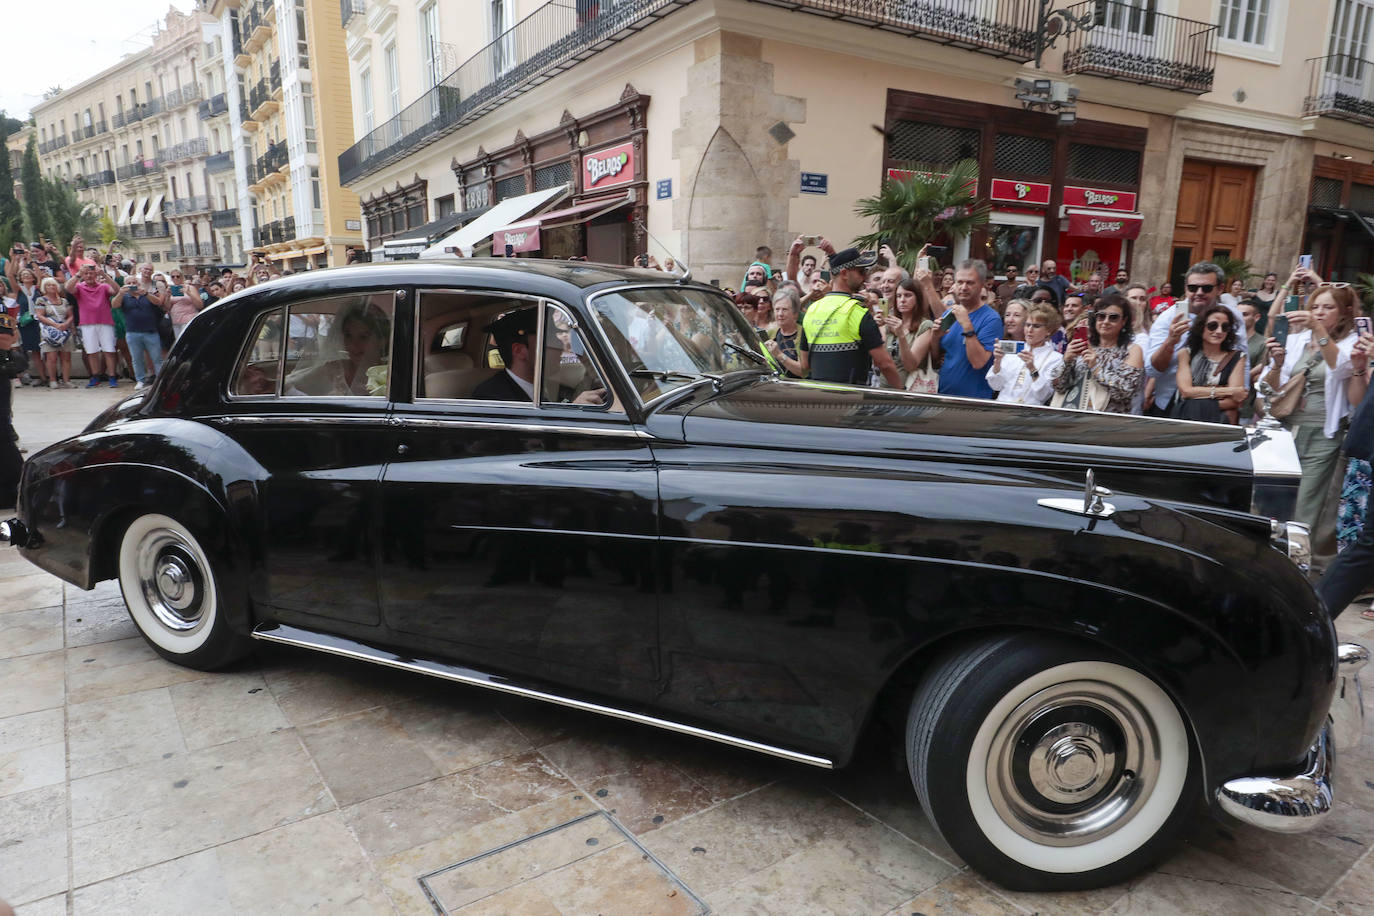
(524, 235)
(1103, 224)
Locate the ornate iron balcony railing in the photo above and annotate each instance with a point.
(1340, 86)
(1143, 46)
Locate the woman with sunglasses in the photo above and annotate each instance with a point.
(1211, 371)
(1105, 372)
(1320, 342)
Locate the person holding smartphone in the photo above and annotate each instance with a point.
(1026, 377)
(141, 315)
(1320, 343)
(1203, 286)
(1102, 369)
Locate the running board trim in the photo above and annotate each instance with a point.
(349, 648)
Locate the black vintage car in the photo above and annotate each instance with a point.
(584, 484)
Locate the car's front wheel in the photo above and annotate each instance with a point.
(1050, 766)
(173, 596)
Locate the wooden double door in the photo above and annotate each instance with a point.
(1215, 201)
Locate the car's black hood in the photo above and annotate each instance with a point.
(1165, 458)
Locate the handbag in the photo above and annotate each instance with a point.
(55, 337)
(1289, 398)
(1203, 410)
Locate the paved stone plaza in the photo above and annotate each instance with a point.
(298, 782)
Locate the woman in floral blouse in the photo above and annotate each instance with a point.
(1105, 372)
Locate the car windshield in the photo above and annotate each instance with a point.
(667, 338)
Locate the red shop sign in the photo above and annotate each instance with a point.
(609, 167)
(519, 238)
(1021, 192)
(1101, 200)
(1104, 225)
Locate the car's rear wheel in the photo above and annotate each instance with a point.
(1050, 766)
(173, 595)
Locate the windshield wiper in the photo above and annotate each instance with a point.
(745, 351)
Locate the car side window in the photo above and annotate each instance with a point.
(570, 376)
(459, 356)
(259, 367)
(339, 346)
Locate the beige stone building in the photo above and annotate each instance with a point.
(1199, 127)
(131, 139)
(287, 109)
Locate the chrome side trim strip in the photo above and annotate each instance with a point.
(348, 648)
(406, 420)
(380, 420)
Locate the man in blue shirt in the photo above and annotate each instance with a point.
(140, 324)
(970, 340)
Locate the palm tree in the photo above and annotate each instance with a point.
(1234, 269)
(932, 203)
(1364, 285)
(68, 214)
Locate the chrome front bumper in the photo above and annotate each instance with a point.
(1293, 804)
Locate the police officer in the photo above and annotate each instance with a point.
(840, 339)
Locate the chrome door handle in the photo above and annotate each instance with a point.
(402, 449)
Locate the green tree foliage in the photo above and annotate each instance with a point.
(36, 219)
(1364, 285)
(10, 125)
(1235, 269)
(109, 232)
(68, 214)
(11, 217)
(934, 204)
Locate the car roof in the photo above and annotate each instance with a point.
(497, 271)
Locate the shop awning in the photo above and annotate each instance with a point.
(524, 236)
(124, 209)
(502, 214)
(136, 217)
(1103, 224)
(154, 211)
(436, 228)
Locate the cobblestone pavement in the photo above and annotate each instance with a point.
(298, 782)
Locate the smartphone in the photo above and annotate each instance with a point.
(825, 275)
(1280, 333)
(947, 321)
(176, 289)
(1305, 261)
(933, 248)
(810, 239)
(927, 263)
(1292, 304)
(1081, 333)
(1010, 347)
(1364, 324)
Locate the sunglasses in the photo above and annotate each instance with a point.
(1110, 317)
(1218, 326)
(1333, 285)
(1201, 287)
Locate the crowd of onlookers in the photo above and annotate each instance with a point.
(120, 315)
(1104, 342)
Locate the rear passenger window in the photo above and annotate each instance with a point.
(258, 370)
(334, 347)
(460, 358)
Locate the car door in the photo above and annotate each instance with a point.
(519, 528)
(309, 400)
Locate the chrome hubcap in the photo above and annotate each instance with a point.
(171, 580)
(1072, 763)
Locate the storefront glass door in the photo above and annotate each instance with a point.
(1015, 239)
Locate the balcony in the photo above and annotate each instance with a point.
(184, 206)
(259, 22)
(188, 149)
(288, 229)
(260, 101)
(213, 107)
(137, 168)
(225, 219)
(95, 179)
(219, 162)
(274, 79)
(50, 146)
(351, 8)
(1140, 46)
(1342, 87)
(153, 229)
(555, 37)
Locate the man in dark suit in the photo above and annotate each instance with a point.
(515, 334)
